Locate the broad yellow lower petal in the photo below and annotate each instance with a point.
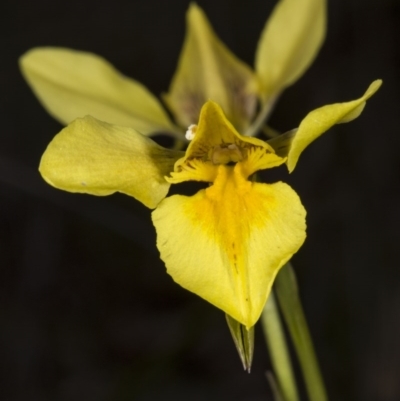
(72, 84)
(227, 242)
(93, 157)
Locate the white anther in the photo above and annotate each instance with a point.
(191, 132)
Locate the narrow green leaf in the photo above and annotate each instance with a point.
(289, 301)
(278, 351)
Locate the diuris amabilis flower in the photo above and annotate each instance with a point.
(227, 242)
(73, 84)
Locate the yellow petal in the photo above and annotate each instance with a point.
(227, 242)
(320, 120)
(289, 43)
(98, 158)
(208, 70)
(211, 142)
(73, 84)
(215, 129)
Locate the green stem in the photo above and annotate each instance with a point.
(278, 350)
(289, 301)
(261, 117)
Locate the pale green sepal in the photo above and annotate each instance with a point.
(207, 70)
(94, 157)
(290, 304)
(320, 120)
(289, 43)
(244, 341)
(72, 84)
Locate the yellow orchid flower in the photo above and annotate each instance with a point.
(73, 84)
(227, 242)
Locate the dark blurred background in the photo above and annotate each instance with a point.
(87, 311)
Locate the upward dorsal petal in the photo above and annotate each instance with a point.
(207, 70)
